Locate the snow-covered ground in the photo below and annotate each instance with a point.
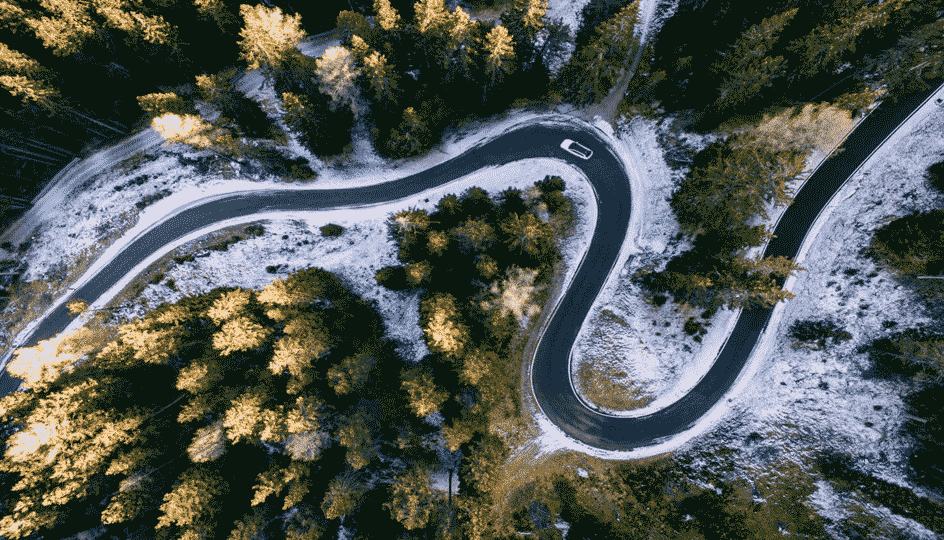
(780, 393)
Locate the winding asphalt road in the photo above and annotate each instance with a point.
(550, 370)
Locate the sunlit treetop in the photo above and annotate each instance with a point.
(268, 36)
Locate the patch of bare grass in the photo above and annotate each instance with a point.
(609, 388)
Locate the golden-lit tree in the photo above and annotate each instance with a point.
(387, 18)
(161, 103)
(352, 373)
(424, 396)
(411, 137)
(382, 78)
(412, 499)
(337, 71)
(191, 504)
(526, 233)
(216, 10)
(268, 36)
(498, 49)
(344, 493)
(23, 76)
(474, 235)
(356, 435)
(431, 15)
(442, 325)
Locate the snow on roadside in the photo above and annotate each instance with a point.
(357, 255)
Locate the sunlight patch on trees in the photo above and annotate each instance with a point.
(514, 295)
(609, 387)
(45, 361)
(208, 444)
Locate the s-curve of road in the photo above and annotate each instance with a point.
(550, 369)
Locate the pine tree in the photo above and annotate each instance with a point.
(424, 396)
(733, 183)
(410, 138)
(268, 36)
(411, 501)
(752, 282)
(337, 71)
(497, 48)
(23, 76)
(161, 103)
(431, 15)
(356, 435)
(827, 45)
(344, 493)
(916, 58)
(216, 10)
(352, 373)
(748, 69)
(350, 24)
(526, 233)
(524, 21)
(442, 325)
(596, 68)
(480, 471)
(382, 77)
(387, 18)
(67, 30)
(461, 30)
(191, 504)
(474, 236)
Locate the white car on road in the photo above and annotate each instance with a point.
(576, 149)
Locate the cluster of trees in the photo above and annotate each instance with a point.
(751, 56)
(729, 186)
(405, 74)
(231, 414)
(599, 61)
(670, 499)
(240, 414)
(468, 257)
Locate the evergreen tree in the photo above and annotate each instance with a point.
(916, 58)
(410, 138)
(444, 329)
(350, 24)
(596, 68)
(731, 183)
(527, 234)
(268, 37)
(94, 421)
(498, 50)
(344, 493)
(355, 434)
(431, 16)
(387, 18)
(337, 71)
(524, 21)
(911, 246)
(411, 500)
(825, 47)
(191, 505)
(320, 129)
(461, 30)
(216, 10)
(747, 69)
(23, 77)
(424, 396)
(382, 77)
(237, 111)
